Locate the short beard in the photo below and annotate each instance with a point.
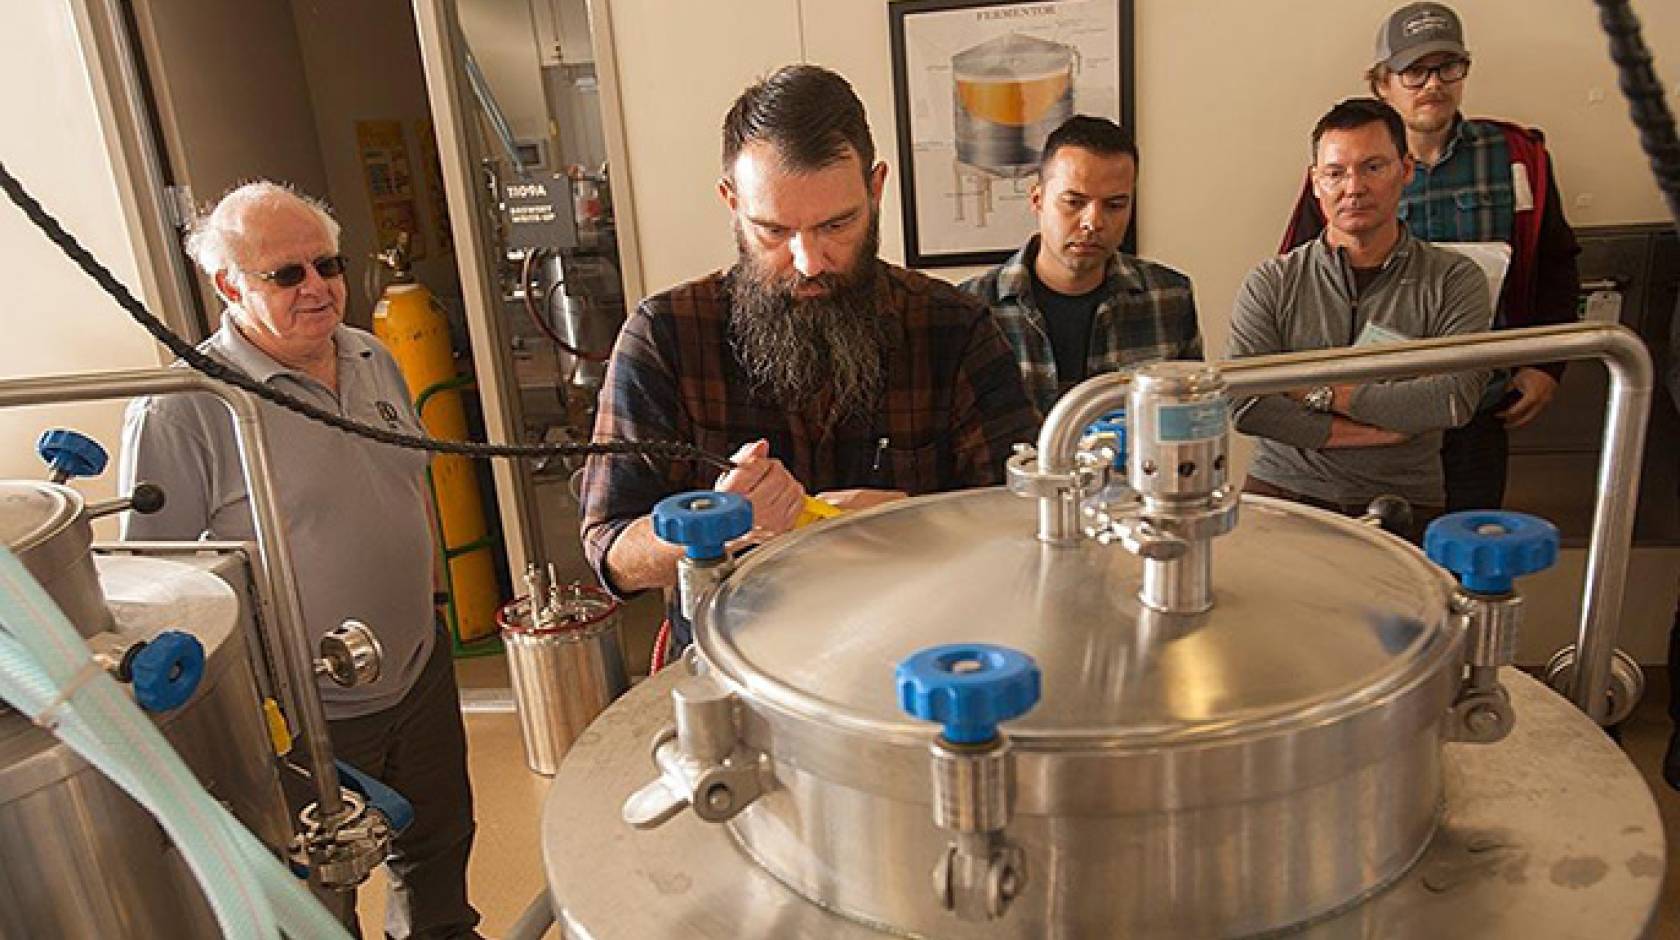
(795, 349)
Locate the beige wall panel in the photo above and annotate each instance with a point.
(1227, 93)
(503, 37)
(680, 65)
(363, 64)
(54, 319)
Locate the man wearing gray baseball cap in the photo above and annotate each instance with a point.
(1477, 180)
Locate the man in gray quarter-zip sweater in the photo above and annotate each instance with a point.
(1364, 281)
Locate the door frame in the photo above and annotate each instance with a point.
(149, 208)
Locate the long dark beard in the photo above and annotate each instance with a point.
(794, 349)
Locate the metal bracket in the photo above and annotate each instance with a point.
(702, 763)
(981, 871)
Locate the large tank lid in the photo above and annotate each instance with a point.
(1315, 616)
(32, 512)
(1011, 58)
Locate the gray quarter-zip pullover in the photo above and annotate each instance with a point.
(1307, 299)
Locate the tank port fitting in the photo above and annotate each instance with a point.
(970, 689)
(350, 655)
(1488, 550)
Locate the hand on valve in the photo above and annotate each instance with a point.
(777, 498)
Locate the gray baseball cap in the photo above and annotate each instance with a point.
(1416, 30)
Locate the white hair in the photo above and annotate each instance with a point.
(212, 235)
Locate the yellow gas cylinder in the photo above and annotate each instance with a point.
(417, 333)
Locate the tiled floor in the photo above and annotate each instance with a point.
(507, 864)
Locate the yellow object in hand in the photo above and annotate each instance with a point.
(816, 510)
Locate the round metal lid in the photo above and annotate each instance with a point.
(33, 512)
(1314, 616)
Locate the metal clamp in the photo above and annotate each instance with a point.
(702, 763)
(344, 850)
(1026, 479)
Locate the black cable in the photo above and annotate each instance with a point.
(1646, 102)
(668, 450)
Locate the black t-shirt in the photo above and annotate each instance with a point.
(1069, 322)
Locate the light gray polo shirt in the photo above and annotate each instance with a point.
(354, 510)
(1307, 299)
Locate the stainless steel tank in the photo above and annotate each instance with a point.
(78, 857)
(1008, 94)
(566, 663)
(1168, 752)
(46, 526)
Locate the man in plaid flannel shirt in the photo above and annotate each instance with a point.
(820, 367)
(1072, 304)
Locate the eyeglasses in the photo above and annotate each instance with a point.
(1334, 176)
(1450, 71)
(291, 275)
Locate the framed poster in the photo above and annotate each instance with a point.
(977, 86)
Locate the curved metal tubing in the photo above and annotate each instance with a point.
(1626, 414)
(272, 546)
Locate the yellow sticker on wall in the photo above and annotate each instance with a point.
(390, 182)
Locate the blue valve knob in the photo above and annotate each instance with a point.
(702, 521)
(968, 687)
(165, 671)
(1489, 548)
(1113, 423)
(71, 454)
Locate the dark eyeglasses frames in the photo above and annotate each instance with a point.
(1450, 71)
(291, 275)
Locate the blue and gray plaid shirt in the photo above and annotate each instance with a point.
(1470, 195)
(1149, 314)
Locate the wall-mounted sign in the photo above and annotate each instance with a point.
(537, 211)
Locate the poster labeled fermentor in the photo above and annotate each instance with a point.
(978, 87)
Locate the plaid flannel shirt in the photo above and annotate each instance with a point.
(1148, 315)
(1469, 195)
(952, 408)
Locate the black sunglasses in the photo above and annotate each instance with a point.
(291, 275)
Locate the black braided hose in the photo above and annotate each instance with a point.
(667, 450)
(1646, 102)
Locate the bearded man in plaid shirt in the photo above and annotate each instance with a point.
(821, 368)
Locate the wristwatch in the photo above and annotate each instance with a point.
(1319, 399)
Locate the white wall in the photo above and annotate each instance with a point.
(503, 37)
(54, 319)
(1227, 93)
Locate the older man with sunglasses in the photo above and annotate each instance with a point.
(1477, 180)
(355, 513)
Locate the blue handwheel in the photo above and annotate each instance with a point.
(166, 671)
(71, 454)
(702, 521)
(970, 688)
(1488, 549)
